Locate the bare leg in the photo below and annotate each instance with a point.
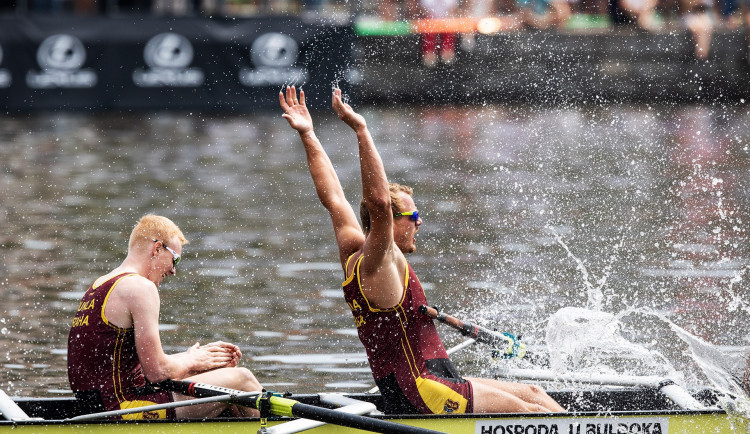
(232, 378)
(701, 28)
(561, 13)
(498, 396)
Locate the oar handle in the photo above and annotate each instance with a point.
(508, 343)
(280, 406)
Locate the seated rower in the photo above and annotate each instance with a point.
(407, 358)
(114, 349)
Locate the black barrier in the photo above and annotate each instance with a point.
(152, 63)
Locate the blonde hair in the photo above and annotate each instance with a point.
(396, 204)
(153, 227)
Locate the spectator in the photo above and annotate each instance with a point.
(388, 10)
(545, 14)
(698, 18)
(640, 12)
(438, 45)
(744, 6)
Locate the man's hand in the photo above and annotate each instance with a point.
(346, 113)
(295, 111)
(213, 356)
(234, 350)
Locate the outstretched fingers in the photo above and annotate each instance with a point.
(291, 100)
(339, 106)
(282, 101)
(293, 91)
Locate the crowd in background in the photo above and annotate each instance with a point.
(700, 17)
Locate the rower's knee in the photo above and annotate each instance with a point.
(247, 380)
(536, 408)
(535, 390)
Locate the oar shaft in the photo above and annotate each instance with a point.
(155, 407)
(288, 407)
(481, 334)
(354, 421)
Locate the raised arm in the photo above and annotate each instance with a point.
(383, 266)
(349, 236)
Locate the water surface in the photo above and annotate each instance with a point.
(526, 210)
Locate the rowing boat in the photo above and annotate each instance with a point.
(616, 405)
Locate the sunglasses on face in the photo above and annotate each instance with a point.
(175, 257)
(413, 215)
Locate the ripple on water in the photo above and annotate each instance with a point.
(38, 245)
(293, 270)
(345, 370)
(250, 311)
(688, 273)
(218, 272)
(60, 391)
(331, 293)
(14, 366)
(348, 385)
(267, 334)
(346, 332)
(71, 295)
(314, 359)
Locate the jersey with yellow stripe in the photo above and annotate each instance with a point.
(406, 356)
(102, 358)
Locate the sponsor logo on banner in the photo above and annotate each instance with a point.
(273, 55)
(61, 58)
(613, 425)
(5, 79)
(168, 56)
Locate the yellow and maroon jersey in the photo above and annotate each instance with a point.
(406, 356)
(102, 358)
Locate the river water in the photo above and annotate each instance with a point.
(640, 212)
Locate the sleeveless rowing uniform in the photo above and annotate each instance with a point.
(407, 357)
(103, 366)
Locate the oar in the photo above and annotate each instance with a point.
(281, 406)
(155, 407)
(507, 344)
(668, 387)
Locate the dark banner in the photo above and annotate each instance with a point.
(152, 63)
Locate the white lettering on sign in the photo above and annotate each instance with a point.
(189, 77)
(269, 76)
(168, 56)
(84, 78)
(61, 58)
(273, 56)
(613, 425)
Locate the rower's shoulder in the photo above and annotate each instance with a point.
(133, 284)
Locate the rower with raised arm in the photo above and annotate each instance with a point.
(114, 349)
(406, 356)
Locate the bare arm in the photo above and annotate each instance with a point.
(349, 236)
(141, 299)
(383, 266)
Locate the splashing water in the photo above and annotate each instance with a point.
(583, 340)
(590, 340)
(594, 293)
(721, 368)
